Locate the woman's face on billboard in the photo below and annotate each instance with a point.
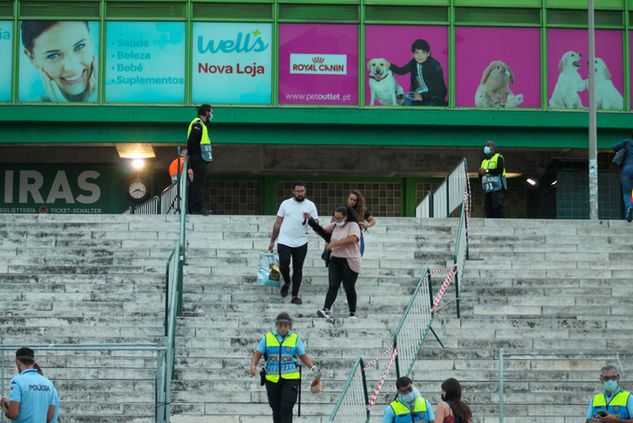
(65, 53)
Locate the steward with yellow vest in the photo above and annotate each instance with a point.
(200, 155)
(280, 347)
(409, 406)
(613, 404)
(492, 173)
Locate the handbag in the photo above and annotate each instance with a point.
(619, 157)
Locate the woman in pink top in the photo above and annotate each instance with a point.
(345, 262)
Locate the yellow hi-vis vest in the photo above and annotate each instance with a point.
(405, 415)
(280, 361)
(492, 183)
(205, 141)
(616, 406)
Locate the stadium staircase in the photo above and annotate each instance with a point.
(561, 288)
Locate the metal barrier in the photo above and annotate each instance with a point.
(448, 196)
(414, 326)
(168, 201)
(150, 206)
(600, 360)
(63, 364)
(352, 405)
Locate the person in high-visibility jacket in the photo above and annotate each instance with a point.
(282, 377)
(409, 406)
(613, 404)
(492, 173)
(199, 150)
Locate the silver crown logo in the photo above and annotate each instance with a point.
(318, 60)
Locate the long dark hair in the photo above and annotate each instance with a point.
(454, 399)
(360, 207)
(348, 212)
(33, 29)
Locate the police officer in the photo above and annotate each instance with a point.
(32, 397)
(493, 180)
(280, 347)
(613, 404)
(200, 155)
(409, 406)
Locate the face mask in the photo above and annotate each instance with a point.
(211, 116)
(443, 397)
(407, 398)
(610, 385)
(487, 150)
(341, 223)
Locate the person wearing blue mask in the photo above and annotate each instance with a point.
(409, 406)
(613, 404)
(492, 173)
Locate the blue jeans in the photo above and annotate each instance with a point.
(626, 180)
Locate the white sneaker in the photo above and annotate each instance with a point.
(323, 313)
(352, 316)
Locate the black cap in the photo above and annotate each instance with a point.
(25, 353)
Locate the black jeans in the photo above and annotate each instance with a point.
(282, 397)
(298, 255)
(494, 204)
(339, 271)
(195, 188)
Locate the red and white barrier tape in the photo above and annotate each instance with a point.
(436, 272)
(449, 278)
(374, 396)
(384, 354)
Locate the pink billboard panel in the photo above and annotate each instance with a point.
(567, 69)
(497, 67)
(406, 65)
(318, 64)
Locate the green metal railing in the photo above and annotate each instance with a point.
(414, 326)
(63, 362)
(173, 297)
(353, 404)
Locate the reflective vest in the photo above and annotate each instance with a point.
(280, 361)
(404, 415)
(616, 406)
(205, 141)
(492, 183)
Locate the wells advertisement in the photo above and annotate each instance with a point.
(145, 62)
(61, 189)
(232, 63)
(6, 43)
(318, 64)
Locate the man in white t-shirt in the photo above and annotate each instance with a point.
(291, 226)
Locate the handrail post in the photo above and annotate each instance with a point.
(448, 193)
(501, 399)
(362, 372)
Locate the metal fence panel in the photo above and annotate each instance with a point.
(440, 200)
(351, 406)
(424, 208)
(414, 326)
(114, 382)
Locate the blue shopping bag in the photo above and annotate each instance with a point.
(268, 269)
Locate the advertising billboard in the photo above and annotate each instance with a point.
(497, 67)
(567, 72)
(58, 62)
(318, 64)
(406, 65)
(232, 63)
(145, 62)
(6, 57)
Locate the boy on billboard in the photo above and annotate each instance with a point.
(427, 78)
